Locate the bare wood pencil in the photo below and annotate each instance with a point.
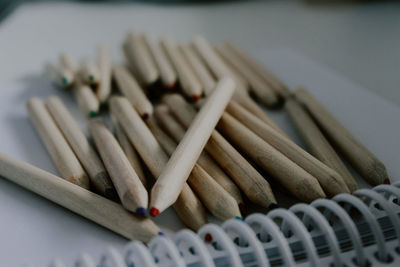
(188, 207)
(104, 63)
(261, 90)
(86, 99)
(130, 151)
(191, 86)
(61, 78)
(260, 70)
(202, 73)
(177, 131)
(294, 178)
(77, 140)
(130, 88)
(79, 200)
(218, 201)
(252, 183)
(316, 141)
(131, 191)
(89, 73)
(167, 72)
(330, 180)
(369, 167)
(169, 184)
(60, 152)
(140, 58)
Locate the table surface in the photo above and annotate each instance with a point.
(359, 41)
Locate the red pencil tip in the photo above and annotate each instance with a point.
(387, 181)
(154, 212)
(196, 97)
(171, 85)
(145, 116)
(208, 238)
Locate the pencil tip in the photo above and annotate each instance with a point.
(93, 114)
(154, 212)
(239, 218)
(161, 234)
(91, 78)
(141, 211)
(171, 85)
(196, 97)
(64, 80)
(208, 238)
(387, 181)
(145, 116)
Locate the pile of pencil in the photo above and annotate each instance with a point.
(203, 136)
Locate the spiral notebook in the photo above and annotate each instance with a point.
(36, 231)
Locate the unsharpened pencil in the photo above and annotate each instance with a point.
(104, 63)
(177, 131)
(294, 178)
(368, 166)
(190, 85)
(167, 187)
(188, 207)
(316, 142)
(218, 201)
(249, 180)
(167, 72)
(99, 178)
(79, 200)
(130, 88)
(330, 180)
(60, 152)
(140, 58)
(131, 191)
(87, 100)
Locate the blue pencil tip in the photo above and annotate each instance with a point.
(239, 218)
(161, 234)
(141, 211)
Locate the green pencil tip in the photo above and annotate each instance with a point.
(93, 114)
(64, 80)
(91, 78)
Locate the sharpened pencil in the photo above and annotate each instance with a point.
(89, 73)
(86, 99)
(104, 63)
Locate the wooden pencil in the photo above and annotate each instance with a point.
(140, 58)
(130, 88)
(252, 183)
(67, 62)
(130, 151)
(260, 70)
(260, 89)
(218, 201)
(60, 152)
(86, 99)
(167, 72)
(99, 178)
(202, 73)
(294, 178)
(61, 78)
(79, 200)
(316, 142)
(188, 207)
(367, 165)
(190, 84)
(132, 193)
(220, 70)
(167, 187)
(177, 131)
(330, 180)
(89, 73)
(104, 63)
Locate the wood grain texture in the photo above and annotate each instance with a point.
(260, 89)
(79, 200)
(130, 88)
(331, 182)
(140, 58)
(169, 184)
(316, 142)
(99, 178)
(214, 197)
(188, 207)
(86, 99)
(294, 178)
(131, 191)
(167, 72)
(252, 183)
(104, 63)
(190, 84)
(177, 131)
(367, 165)
(60, 152)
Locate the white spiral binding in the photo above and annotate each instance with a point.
(275, 238)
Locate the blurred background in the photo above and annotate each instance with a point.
(358, 39)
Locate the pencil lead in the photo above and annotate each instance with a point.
(154, 212)
(196, 97)
(141, 211)
(208, 238)
(161, 233)
(145, 116)
(239, 218)
(91, 78)
(171, 85)
(64, 80)
(93, 114)
(387, 181)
